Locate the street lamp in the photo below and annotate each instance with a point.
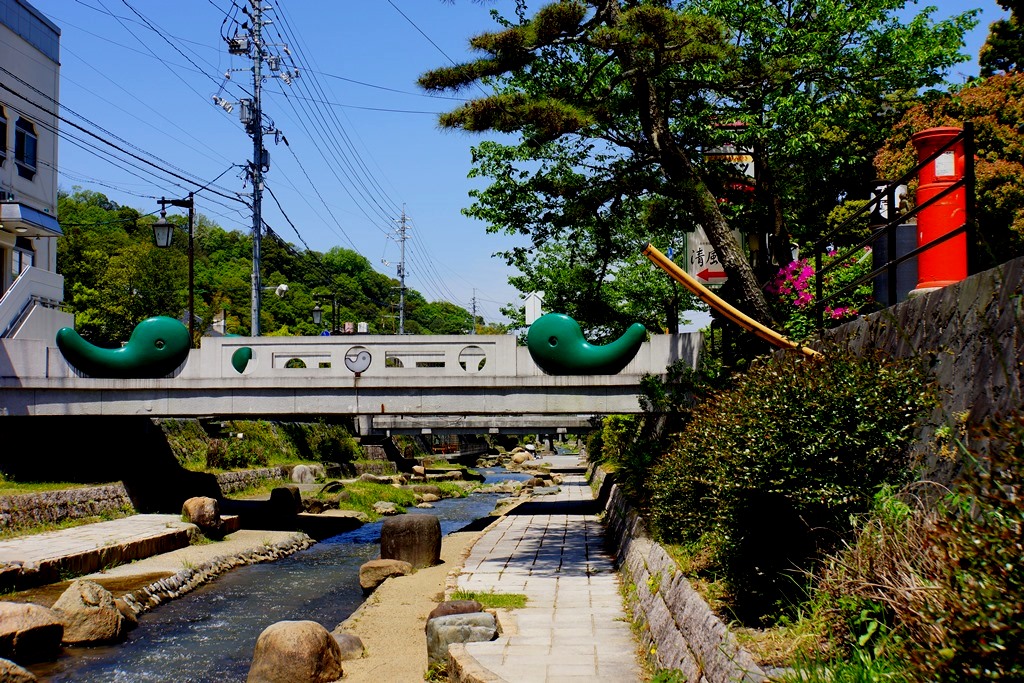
(318, 313)
(162, 233)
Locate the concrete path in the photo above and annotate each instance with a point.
(574, 626)
(47, 557)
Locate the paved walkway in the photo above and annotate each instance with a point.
(574, 627)
(31, 560)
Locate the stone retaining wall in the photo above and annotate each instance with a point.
(971, 334)
(230, 482)
(679, 629)
(49, 507)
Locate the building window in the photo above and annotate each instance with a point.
(3, 136)
(23, 256)
(25, 148)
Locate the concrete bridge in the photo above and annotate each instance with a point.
(387, 383)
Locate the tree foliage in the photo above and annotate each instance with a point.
(1003, 51)
(114, 277)
(616, 105)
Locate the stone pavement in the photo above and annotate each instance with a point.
(47, 557)
(574, 626)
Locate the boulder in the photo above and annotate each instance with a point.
(376, 572)
(375, 479)
(455, 607)
(419, 470)
(534, 481)
(457, 628)
(351, 645)
(427, 488)
(89, 614)
(385, 507)
(204, 512)
(286, 500)
(295, 652)
(12, 673)
(303, 474)
(413, 538)
(520, 458)
(29, 633)
(429, 497)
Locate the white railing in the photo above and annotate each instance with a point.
(33, 284)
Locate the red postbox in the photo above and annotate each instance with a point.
(944, 263)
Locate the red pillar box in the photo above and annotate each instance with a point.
(945, 263)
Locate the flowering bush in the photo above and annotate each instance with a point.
(793, 289)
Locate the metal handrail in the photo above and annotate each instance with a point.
(888, 229)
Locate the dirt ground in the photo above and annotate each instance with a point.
(392, 621)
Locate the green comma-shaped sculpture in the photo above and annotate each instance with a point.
(156, 347)
(557, 345)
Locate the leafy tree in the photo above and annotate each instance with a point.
(115, 277)
(1003, 50)
(617, 103)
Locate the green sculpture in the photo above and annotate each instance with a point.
(557, 345)
(156, 347)
(240, 358)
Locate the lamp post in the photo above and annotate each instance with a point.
(318, 313)
(162, 234)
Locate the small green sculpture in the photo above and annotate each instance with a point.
(557, 345)
(156, 347)
(240, 358)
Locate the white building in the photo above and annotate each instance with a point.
(31, 288)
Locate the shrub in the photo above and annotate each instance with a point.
(772, 469)
(971, 627)
(793, 288)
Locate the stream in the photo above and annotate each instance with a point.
(208, 635)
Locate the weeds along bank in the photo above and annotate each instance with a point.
(854, 513)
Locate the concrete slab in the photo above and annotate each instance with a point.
(574, 626)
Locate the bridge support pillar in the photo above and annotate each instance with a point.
(364, 425)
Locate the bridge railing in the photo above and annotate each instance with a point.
(343, 359)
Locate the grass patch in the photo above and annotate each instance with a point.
(261, 489)
(492, 600)
(361, 495)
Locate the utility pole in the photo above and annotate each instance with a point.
(474, 312)
(402, 229)
(248, 41)
(256, 170)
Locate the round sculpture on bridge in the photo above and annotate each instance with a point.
(156, 347)
(557, 345)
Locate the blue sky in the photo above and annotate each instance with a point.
(362, 140)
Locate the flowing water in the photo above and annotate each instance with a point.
(208, 635)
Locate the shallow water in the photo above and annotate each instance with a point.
(209, 634)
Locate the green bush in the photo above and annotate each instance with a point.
(773, 468)
(970, 627)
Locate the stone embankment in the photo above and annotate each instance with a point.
(190, 578)
(51, 507)
(679, 630)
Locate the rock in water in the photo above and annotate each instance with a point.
(295, 652)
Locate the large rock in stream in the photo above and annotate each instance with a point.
(295, 652)
(415, 539)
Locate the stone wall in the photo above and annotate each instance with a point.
(236, 481)
(972, 335)
(679, 629)
(49, 507)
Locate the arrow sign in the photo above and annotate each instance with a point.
(708, 274)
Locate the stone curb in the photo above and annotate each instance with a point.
(187, 580)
